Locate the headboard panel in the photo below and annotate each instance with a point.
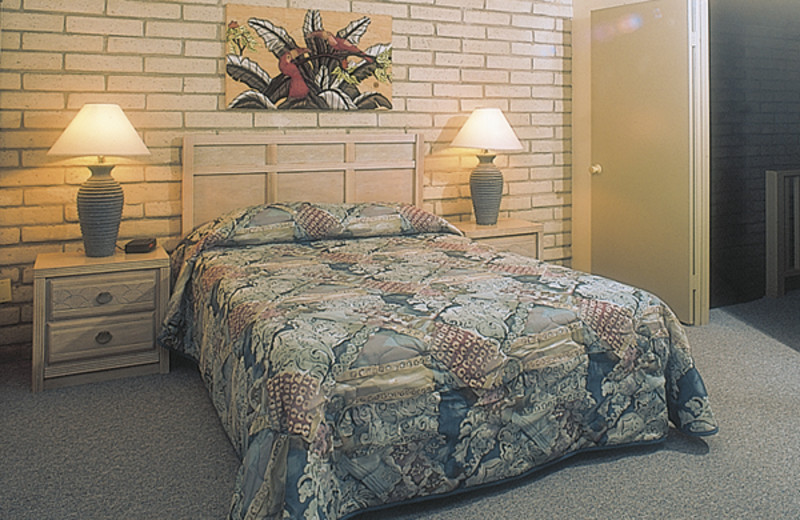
(228, 171)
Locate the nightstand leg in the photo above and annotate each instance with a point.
(37, 373)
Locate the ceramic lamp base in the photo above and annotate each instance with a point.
(100, 201)
(486, 188)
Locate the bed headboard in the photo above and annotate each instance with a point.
(228, 171)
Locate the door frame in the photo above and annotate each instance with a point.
(699, 136)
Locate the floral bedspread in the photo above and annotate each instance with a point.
(362, 355)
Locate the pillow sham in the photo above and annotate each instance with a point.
(304, 221)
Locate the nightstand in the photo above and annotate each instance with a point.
(97, 318)
(515, 235)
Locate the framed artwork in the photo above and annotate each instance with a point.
(281, 58)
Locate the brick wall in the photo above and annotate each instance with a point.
(162, 61)
(755, 126)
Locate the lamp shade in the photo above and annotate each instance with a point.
(487, 129)
(101, 130)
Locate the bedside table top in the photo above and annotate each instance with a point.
(78, 263)
(504, 227)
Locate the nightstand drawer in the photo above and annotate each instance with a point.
(101, 294)
(76, 340)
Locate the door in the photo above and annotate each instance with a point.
(647, 147)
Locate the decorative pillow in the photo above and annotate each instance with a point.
(266, 224)
(304, 221)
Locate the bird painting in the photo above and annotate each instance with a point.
(325, 73)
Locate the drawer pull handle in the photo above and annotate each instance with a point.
(104, 297)
(103, 337)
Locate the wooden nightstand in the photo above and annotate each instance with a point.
(510, 234)
(97, 318)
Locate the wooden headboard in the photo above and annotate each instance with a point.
(229, 171)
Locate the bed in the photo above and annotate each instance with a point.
(362, 354)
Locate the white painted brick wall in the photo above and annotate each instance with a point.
(162, 61)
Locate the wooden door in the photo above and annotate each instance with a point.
(647, 154)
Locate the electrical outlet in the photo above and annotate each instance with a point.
(5, 290)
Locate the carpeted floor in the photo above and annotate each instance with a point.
(147, 447)
(152, 447)
(778, 318)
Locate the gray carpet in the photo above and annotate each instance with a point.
(148, 447)
(152, 448)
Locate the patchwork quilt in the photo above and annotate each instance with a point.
(362, 355)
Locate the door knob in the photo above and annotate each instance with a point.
(595, 169)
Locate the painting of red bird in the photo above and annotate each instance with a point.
(328, 71)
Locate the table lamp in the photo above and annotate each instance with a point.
(99, 130)
(486, 129)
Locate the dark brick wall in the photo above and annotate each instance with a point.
(755, 126)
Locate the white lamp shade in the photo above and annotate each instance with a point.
(102, 130)
(488, 129)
